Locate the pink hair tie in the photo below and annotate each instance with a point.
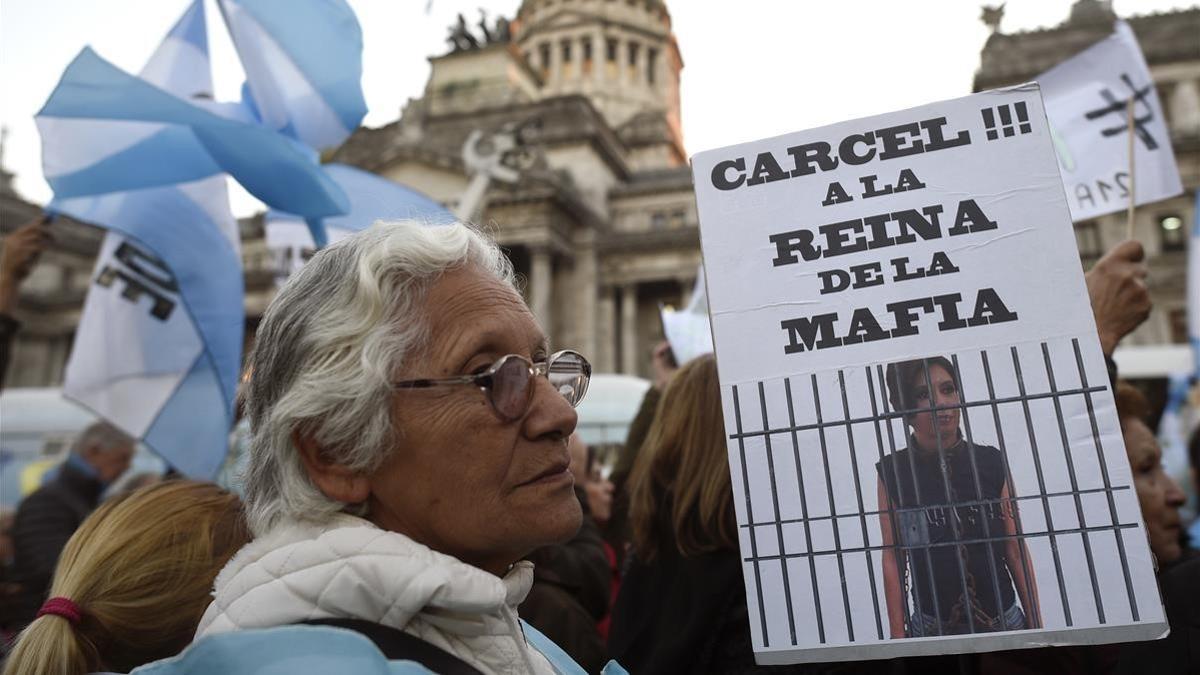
(63, 607)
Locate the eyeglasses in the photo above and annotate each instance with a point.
(509, 382)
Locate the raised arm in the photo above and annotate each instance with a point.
(1020, 564)
(894, 562)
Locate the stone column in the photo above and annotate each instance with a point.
(540, 284)
(556, 63)
(1185, 107)
(606, 332)
(622, 61)
(599, 56)
(577, 46)
(629, 342)
(586, 294)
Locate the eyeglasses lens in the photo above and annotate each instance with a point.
(511, 387)
(569, 375)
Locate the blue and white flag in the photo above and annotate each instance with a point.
(1172, 433)
(158, 348)
(371, 198)
(303, 66)
(104, 130)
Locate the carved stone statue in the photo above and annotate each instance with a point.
(992, 15)
(503, 32)
(483, 27)
(460, 38)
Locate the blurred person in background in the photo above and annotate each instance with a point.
(571, 581)
(1159, 497)
(133, 581)
(8, 589)
(585, 466)
(682, 604)
(48, 517)
(18, 254)
(617, 531)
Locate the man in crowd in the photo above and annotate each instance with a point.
(48, 517)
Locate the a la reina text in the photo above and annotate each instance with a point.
(881, 230)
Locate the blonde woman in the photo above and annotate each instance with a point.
(682, 603)
(133, 581)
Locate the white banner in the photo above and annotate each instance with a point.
(913, 391)
(1087, 100)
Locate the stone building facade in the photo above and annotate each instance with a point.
(1171, 44)
(602, 222)
(603, 225)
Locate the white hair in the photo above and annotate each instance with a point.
(329, 346)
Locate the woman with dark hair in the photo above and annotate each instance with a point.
(939, 491)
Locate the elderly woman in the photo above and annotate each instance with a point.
(410, 427)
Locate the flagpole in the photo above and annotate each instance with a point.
(1132, 178)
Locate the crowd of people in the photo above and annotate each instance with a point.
(415, 496)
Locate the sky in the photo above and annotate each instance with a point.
(769, 67)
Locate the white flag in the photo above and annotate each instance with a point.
(688, 330)
(1086, 99)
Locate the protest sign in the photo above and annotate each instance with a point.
(1087, 99)
(923, 444)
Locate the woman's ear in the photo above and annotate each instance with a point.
(333, 480)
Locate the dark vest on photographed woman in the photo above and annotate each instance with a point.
(926, 520)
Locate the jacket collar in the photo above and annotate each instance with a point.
(349, 568)
(74, 475)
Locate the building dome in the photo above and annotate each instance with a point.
(620, 54)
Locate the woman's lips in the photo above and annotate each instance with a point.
(553, 474)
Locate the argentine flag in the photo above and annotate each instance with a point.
(303, 66)
(158, 349)
(371, 198)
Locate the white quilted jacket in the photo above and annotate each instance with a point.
(349, 568)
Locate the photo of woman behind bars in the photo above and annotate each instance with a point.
(952, 560)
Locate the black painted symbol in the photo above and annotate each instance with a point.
(1118, 107)
(143, 274)
(1008, 127)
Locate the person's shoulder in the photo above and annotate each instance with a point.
(887, 461)
(297, 650)
(46, 496)
(1182, 580)
(988, 453)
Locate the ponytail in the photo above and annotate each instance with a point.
(133, 581)
(51, 645)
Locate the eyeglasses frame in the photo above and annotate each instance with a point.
(485, 379)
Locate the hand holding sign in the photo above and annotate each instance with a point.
(1117, 288)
